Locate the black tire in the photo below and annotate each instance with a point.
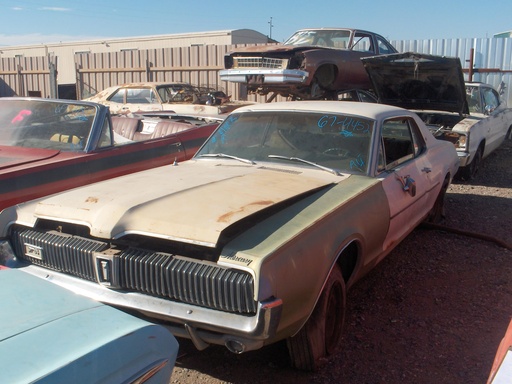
(316, 90)
(436, 214)
(469, 171)
(321, 335)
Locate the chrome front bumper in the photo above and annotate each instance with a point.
(464, 158)
(202, 325)
(264, 76)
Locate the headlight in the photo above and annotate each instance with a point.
(7, 256)
(461, 143)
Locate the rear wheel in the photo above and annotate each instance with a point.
(437, 212)
(321, 335)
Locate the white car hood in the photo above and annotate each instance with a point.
(192, 202)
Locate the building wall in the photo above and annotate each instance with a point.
(66, 52)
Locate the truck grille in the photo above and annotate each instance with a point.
(259, 62)
(156, 274)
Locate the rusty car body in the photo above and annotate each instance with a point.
(473, 116)
(181, 98)
(47, 146)
(255, 239)
(311, 64)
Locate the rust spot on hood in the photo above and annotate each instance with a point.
(92, 200)
(227, 216)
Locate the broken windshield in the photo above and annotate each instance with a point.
(321, 38)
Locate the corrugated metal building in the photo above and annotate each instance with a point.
(65, 52)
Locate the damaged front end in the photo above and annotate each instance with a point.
(281, 74)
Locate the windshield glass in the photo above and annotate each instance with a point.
(321, 38)
(175, 93)
(45, 123)
(337, 141)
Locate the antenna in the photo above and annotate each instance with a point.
(270, 26)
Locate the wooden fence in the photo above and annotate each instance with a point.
(487, 60)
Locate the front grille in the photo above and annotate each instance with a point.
(259, 62)
(153, 273)
(72, 255)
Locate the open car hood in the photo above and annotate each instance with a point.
(418, 81)
(193, 202)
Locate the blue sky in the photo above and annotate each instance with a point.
(25, 22)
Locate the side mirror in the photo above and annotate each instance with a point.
(488, 109)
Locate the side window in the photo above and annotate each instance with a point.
(118, 97)
(491, 99)
(106, 136)
(138, 96)
(384, 46)
(363, 43)
(401, 141)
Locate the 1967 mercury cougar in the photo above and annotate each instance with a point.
(254, 240)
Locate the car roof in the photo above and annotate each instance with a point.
(370, 110)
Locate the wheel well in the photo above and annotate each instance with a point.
(348, 260)
(326, 74)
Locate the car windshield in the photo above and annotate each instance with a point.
(322, 38)
(335, 141)
(174, 93)
(43, 123)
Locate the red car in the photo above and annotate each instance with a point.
(47, 146)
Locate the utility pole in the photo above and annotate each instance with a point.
(270, 26)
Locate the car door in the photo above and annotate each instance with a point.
(495, 123)
(405, 172)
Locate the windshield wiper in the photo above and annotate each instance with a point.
(298, 159)
(247, 161)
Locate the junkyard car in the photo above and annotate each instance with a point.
(311, 64)
(51, 335)
(47, 146)
(470, 115)
(256, 238)
(181, 98)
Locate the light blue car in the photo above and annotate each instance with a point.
(51, 335)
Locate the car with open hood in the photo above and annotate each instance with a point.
(51, 335)
(313, 63)
(258, 236)
(47, 146)
(471, 115)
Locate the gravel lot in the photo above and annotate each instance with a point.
(434, 311)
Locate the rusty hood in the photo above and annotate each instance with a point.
(273, 49)
(193, 202)
(418, 81)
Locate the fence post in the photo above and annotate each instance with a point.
(52, 67)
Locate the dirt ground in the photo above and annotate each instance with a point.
(434, 311)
